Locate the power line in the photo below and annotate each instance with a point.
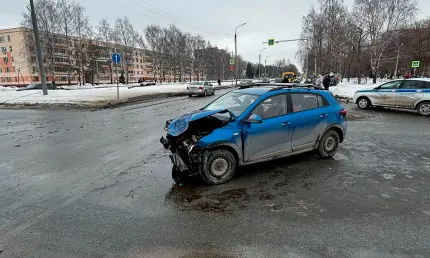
(150, 17)
(170, 15)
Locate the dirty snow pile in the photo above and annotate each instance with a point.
(348, 89)
(77, 94)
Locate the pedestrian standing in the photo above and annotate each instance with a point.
(219, 82)
(326, 81)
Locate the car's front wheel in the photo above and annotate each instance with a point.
(219, 168)
(424, 108)
(363, 102)
(328, 144)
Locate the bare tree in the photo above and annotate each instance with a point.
(83, 34)
(68, 13)
(127, 39)
(104, 34)
(381, 19)
(48, 22)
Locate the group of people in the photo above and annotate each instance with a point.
(324, 81)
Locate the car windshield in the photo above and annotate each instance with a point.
(235, 102)
(31, 86)
(196, 83)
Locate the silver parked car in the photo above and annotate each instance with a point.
(408, 94)
(201, 88)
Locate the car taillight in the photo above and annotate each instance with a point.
(201, 87)
(343, 112)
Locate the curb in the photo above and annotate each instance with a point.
(102, 104)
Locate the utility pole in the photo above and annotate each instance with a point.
(259, 63)
(235, 48)
(397, 61)
(38, 49)
(265, 66)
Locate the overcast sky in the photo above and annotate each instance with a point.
(214, 20)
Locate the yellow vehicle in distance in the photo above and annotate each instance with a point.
(290, 75)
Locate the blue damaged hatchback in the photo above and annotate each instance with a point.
(252, 125)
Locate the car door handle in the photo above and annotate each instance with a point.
(323, 115)
(285, 124)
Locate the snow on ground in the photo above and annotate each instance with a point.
(347, 89)
(77, 94)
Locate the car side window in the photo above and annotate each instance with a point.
(413, 85)
(303, 101)
(390, 85)
(272, 107)
(426, 85)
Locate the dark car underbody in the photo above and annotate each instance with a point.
(186, 156)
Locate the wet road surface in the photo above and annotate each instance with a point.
(98, 184)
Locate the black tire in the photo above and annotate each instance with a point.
(424, 108)
(363, 103)
(213, 92)
(189, 95)
(328, 144)
(205, 93)
(220, 167)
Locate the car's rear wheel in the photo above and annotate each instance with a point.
(190, 95)
(205, 93)
(424, 108)
(363, 102)
(213, 92)
(328, 144)
(219, 168)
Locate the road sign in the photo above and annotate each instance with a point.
(116, 58)
(231, 61)
(415, 64)
(271, 42)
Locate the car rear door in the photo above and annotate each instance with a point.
(386, 94)
(271, 137)
(409, 93)
(308, 120)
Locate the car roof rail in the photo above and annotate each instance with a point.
(280, 86)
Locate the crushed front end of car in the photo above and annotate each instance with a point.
(183, 135)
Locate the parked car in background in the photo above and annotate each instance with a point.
(265, 80)
(147, 83)
(253, 125)
(408, 94)
(201, 88)
(246, 82)
(37, 86)
(335, 80)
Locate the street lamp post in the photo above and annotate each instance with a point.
(259, 63)
(265, 66)
(397, 61)
(235, 48)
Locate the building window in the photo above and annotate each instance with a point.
(1, 39)
(3, 50)
(13, 69)
(8, 38)
(10, 49)
(33, 59)
(36, 78)
(7, 69)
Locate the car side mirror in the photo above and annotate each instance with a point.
(255, 119)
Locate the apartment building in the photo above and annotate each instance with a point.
(18, 64)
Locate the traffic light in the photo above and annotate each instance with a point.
(271, 42)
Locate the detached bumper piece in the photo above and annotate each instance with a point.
(178, 162)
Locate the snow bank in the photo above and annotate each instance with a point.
(84, 94)
(347, 89)
(13, 88)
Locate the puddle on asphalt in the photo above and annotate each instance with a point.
(276, 186)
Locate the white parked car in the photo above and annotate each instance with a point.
(411, 93)
(201, 88)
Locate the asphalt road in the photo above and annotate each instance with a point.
(98, 184)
